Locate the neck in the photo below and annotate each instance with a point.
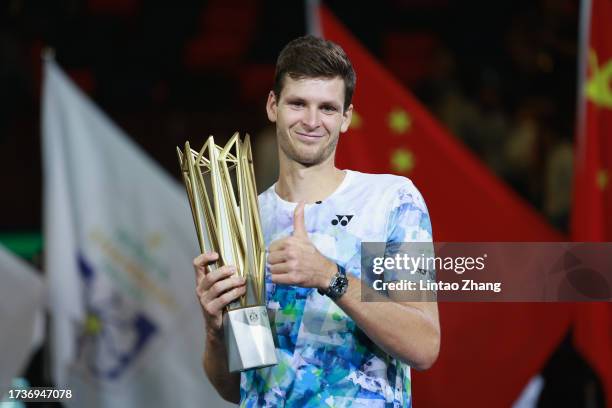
(297, 182)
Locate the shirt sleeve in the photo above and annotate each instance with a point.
(408, 218)
(408, 233)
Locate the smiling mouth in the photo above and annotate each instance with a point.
(308, 136)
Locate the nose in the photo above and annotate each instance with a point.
(311, 119)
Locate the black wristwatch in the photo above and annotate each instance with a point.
(337, 285)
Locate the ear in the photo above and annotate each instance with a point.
(347, 115)
(271, 107)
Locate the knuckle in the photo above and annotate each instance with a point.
(207, 281)
(200, 261)
(227, 270)
(230, 295)
(208, 309)
(217, 288)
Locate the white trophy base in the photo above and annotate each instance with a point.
(248, 339)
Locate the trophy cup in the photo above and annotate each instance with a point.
(226, 217)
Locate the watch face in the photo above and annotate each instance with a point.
(339, 285)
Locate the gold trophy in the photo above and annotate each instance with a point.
(227, 222)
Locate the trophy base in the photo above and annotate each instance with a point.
(248, 339)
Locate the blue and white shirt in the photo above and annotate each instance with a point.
(324, 358)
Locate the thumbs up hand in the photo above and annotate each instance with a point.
(295, 260)
(299, 225)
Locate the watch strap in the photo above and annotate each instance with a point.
(337, 284)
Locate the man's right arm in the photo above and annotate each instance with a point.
(215, 365)
(215, 290)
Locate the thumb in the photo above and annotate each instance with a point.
(299, 227)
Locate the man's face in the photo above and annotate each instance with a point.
(309, 117)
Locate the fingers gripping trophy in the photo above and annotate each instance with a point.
(220, 184)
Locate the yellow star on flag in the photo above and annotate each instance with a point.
(602, 179)
(399, 121)
(356, 121)
(599, 86)
(402, 161)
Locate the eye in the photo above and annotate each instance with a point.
(296, 104)
(329, 109)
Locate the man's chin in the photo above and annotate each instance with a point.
(308, 160)
(309, 157)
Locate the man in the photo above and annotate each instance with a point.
(333, 349)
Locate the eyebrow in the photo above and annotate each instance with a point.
(295, 98)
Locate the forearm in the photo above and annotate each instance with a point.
(409, 332)
(215, 365)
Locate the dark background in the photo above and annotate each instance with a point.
(501, 75)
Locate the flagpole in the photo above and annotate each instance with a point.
(583, 60)
(313, 24)
(47, 54)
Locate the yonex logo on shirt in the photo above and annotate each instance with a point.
(342, 220)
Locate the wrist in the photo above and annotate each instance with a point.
(215, 335)
(337, 284)
(328, 273)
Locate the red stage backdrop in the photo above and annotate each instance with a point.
(592, 209)
(489, 351)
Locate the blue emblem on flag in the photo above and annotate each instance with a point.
(114, 332)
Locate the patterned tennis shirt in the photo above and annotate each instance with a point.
(324, 358)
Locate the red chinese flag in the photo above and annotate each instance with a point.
(489, 351)
(592, 209)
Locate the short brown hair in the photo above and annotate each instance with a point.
(313, 57)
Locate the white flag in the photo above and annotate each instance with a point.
(21, 303)
(127, 330)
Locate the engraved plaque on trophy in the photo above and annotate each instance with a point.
(220, 184)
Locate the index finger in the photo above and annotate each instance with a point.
(278, 244)
(201, 261)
